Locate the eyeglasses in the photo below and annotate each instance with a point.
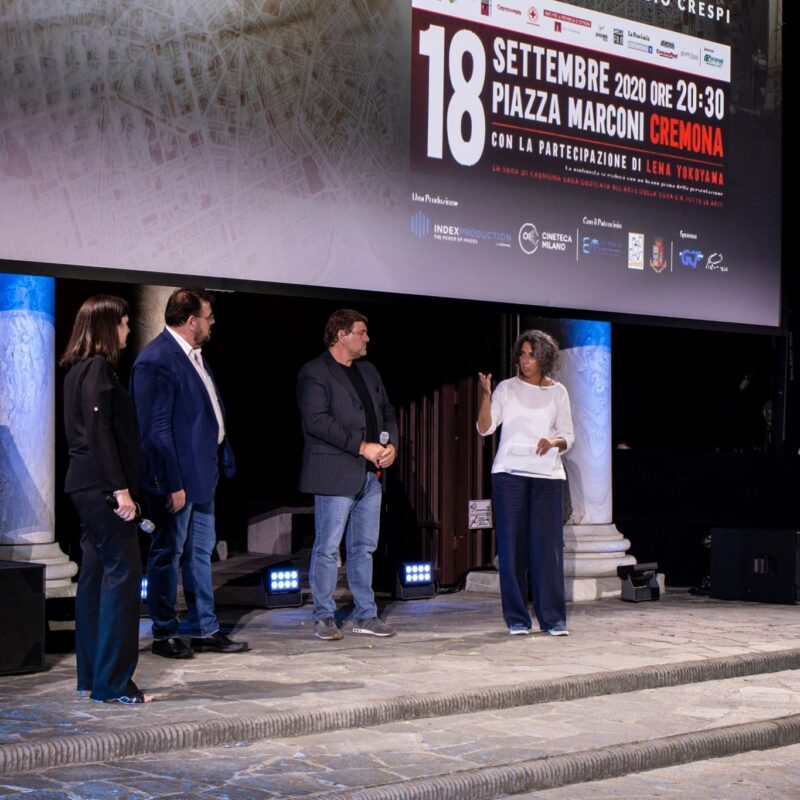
(358, 333)
(210, 317)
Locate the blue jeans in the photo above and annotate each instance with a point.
(358, 519)
(182, 541)
(528, 513)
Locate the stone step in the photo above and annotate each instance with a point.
(755, 775)
(602, 763)
(45, 752)
(485, 754)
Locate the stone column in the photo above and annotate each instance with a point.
(147, 316)
(27, 429)
(774, 55)
(593, 546)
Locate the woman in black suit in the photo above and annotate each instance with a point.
(103, 438)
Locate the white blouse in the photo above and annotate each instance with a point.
(529, 413)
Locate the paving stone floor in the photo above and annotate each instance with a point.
(310, 765)
(450, 642)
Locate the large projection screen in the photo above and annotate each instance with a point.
(615, 157)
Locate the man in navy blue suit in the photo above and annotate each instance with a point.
(350, 435)
(182, 420)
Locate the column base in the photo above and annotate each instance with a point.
(577, 590)
(484, 582)
(58, 569)
(594, 551)
(592, 554)
(60, 589)
(584, 590)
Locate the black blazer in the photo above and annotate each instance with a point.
(102, 433)
(334, 425)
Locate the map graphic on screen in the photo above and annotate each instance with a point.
(616, 157)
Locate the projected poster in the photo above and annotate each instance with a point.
(587, 156)
(611, 156)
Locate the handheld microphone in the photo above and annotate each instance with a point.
(145, 525)
(384, 440)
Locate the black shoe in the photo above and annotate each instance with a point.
(218, 643)
(171, 648)
(134, 697)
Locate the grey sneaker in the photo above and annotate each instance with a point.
(326, 629)
(373, 627)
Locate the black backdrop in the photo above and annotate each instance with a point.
(689, 403)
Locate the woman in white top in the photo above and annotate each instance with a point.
(527, 482)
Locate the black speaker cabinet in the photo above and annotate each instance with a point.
(755, 564)
(22, 617)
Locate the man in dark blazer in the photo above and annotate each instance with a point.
(182, 419)
(349, 432)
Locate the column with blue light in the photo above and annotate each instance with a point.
(27, 429)
(593, 546)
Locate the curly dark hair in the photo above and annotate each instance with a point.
(94, 331)
(544, 347)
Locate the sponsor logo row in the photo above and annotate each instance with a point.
(608, 33)
(611, 243)
(653, 252)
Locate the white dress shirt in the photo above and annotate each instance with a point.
(195, 356)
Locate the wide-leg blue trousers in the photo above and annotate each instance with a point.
(530, 546)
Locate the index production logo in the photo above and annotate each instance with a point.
(420, 225)
(529, 238)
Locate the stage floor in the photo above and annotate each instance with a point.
(452, 693)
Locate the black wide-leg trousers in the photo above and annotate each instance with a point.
(107, 603)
